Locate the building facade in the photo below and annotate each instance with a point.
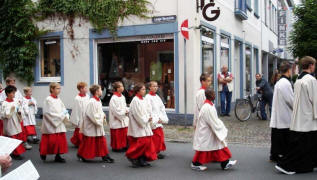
(244, 37)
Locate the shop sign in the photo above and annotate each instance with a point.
(163, 19)
(208, 11)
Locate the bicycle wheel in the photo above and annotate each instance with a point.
(267, 111)
(243, 110)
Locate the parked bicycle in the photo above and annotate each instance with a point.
(248, 105)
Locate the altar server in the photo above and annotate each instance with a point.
(301, 156)
(159, 117)
(209, 139)
(78, 112)
(118, 118)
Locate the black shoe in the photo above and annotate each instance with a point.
(135, 163)
(115, 150)
(81, 158)
(17, 157)
(35, 141)
(227, 115)
(143, 163)
(160, 156)
(59, 159)
(107, 159)
(43, 157)
(222, 115)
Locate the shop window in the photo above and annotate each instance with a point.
(208, 52)
(224, 51)
(140, 60)
(248, 75)
(50, 60)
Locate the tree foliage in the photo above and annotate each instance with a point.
(303, 39)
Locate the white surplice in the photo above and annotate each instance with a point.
(157, 111)
(78, 110)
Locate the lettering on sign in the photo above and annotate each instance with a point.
(208, 11)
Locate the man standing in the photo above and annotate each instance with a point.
(301, 156)
(263, 87)
(282, 110)
(225, 87)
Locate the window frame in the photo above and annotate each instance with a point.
(39, 80)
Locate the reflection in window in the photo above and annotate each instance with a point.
(248, 69)
(50, 63)
(137, 62)
(224, 51)
(208, 52)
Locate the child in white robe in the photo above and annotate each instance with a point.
(209, 139)
(53, 128)
(159, 117)
(118, 119)
(29, 109)
(141, 147)
(78, 112)
(94, 143)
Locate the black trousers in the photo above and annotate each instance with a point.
(301, 156)
(279, 143)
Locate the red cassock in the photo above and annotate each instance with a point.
(158, 139)
(119, 138)
(204, 157)
(77, 137)
(141, 146)
(1, 127)
(92, 147)
(30, 130)
(20, 149)
(53, 144)
(24, 135)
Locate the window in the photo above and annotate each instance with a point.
(241, 9)
(224, 50)
(256, 8)
(138, 59)
(248, 3)
(50, 60)
(248, 58)
(270, 15)
(256, 56)
(208, 52)
(265, 12)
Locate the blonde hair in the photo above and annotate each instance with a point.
(94, 88)
(53, 85)
(26, 89)
(81, 85)
(9, 79)
(306, 61)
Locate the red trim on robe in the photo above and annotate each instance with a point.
(119, 138)
(117, 94)
(30, 130)
(77, 137)
(9, 100)
(92, 147)
(20, 149)
(27, 97)
(158, 139)
(139, 96)
(53, 96)
(141, 146)
(97, 98)
(220, 155)
(53, 144)
(208, 102)
(152, 93)
(202, 87)
(82, 95)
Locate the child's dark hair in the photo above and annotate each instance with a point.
(204, 76)
(116, 85)
(285, 66)
(210, 94)
(137, 88)
(94, 88)
(9, 89)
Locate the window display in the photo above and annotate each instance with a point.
(208, 52)
(138, 61)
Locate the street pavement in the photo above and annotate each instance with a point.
(252, 164)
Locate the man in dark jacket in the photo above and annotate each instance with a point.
(264, 88)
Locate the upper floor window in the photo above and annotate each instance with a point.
(256, 8)
(50, 60)
(241, 9)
